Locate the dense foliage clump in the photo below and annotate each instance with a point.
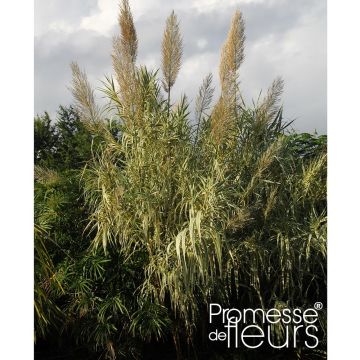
(146, 213)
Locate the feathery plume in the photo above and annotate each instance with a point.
(204, 98)
(128, 38)
(125, 72)
(83, 95)
(203, 101)
(220, 120)
(124, 55)
(270, 105)
(172, 49)
(232, 54)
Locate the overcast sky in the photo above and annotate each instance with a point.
(284, 37)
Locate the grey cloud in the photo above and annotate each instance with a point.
(53, 55)
(49, 11)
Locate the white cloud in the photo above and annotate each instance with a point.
(211, 5)
(60, 15)
(61, 26)
(106, 17)
(102, 21)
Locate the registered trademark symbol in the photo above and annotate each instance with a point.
(318, 305)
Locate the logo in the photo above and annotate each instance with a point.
(277, 327)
